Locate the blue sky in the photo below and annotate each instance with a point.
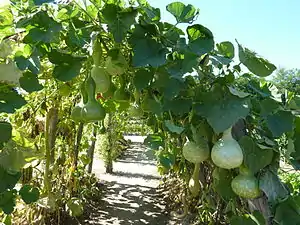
(269, 27)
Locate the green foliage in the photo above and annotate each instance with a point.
(255, 158)
(222, 109)
(29, 194)
(286, 79)
(175, 79)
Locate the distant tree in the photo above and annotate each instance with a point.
(288, 79)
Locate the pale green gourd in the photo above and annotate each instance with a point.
(227, 153)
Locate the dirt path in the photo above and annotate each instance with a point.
(130, 193)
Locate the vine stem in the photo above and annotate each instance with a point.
(77, 145)
(91, 150)
(48, 154)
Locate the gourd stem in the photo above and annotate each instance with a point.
(196, 171)
(227, 134)
(90, 86)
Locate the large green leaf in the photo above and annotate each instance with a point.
(40, 2)
(142, 78)
(226, 49)
(29, 194)
(29, 82)
(151, 105)
(154, 141)
(201, 39)
(9, 73)
(32, 63)
(271, 185)
(148, 52)
(77, 38)
(6, 21)
(268, 106)
(257, 65)
(119, 21)
(153, 14)
(243, 220)
(172, 105)
(288, 212)
(10, 100)
(5, 131)
(6, 16)
(179, 67)
(255, 158)
(222, 109)
(280, 122)
(173, 128)
(182, 13)
(8, 179)
(165, 161)
(294, 103)
(222, 183)
(172, 88)
(8, 201)
(66, 72)
(12, 158)
(48, 35)
(296, 139)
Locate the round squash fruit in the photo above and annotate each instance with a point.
(101, 78)
(226, 153)
(245, 186)
(195, 152)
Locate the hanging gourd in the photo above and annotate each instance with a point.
(92, 111)
(121, 95)
(227, 153)
(245, 184)
(101, 78)
(97, 52)
(195, 152)
(76, 113)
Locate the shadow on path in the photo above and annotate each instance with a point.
(129, 204)
(130, 192)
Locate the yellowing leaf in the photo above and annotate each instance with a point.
(9, 73)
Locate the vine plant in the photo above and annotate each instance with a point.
(178, 80)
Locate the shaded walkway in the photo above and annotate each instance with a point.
(130, 192)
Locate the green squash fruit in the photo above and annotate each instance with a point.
(92, 111)
(195, 152)
(110, 92)
(135, 111)
(121, 95)
(194, 184)
(97, 52)
(101, 78)
(226, 153)
(246, 186)
(76, 113)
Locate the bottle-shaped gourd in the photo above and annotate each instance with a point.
(227, 153)
(92, 111)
